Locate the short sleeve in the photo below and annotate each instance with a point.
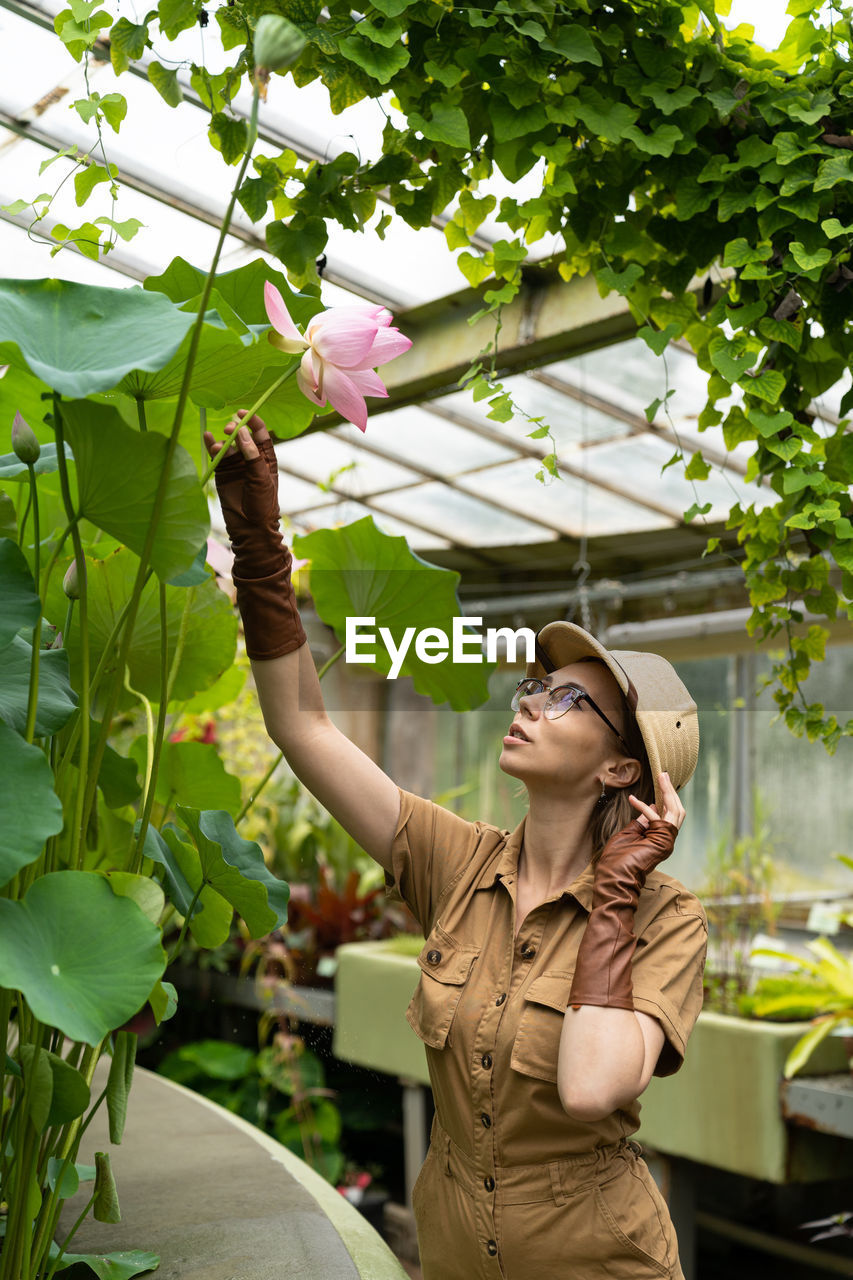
(431, 847)
(667, 975)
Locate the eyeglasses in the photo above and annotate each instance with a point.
(559, 701)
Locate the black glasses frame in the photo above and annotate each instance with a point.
(580, 695)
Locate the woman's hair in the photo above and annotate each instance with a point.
(619, 811)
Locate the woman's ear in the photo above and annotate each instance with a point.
(625, 772)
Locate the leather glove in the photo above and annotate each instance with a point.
(603, 971)
(248, 493)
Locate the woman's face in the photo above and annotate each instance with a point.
(577, 749)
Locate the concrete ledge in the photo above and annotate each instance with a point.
(218, 1199)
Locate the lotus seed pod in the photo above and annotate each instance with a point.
(24, 442)
(71, 582)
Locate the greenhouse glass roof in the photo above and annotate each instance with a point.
(432, 465)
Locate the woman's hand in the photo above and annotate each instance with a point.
(673, 809)
(245, 435)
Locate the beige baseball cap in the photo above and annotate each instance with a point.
(664, 710)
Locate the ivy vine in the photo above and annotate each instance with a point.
(672, 151)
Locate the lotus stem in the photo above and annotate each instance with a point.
(288, 373)
(32, 696)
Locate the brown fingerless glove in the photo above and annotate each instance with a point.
(248, 493)
(603, 970)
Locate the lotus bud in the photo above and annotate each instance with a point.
(24, 442)
(71, 582)
(277, 44)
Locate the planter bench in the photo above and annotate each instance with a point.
(218, 1199)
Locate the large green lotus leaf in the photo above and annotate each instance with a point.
(210, 922)
(56, 698)
(225, 368)
(117, 775)
(118, 474)
(58, 1093)
(192, 773)
(144, 891)
(242, 289)
(11, 467)
(84, 959)
(110, 1266)
(81, 338)
(178, 888)
(21, 392)
(235, 868)
(357, 571)
(30, 809)
(226, 689)
(211, 638)
(19, 601)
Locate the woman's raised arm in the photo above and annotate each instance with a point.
(342, 777)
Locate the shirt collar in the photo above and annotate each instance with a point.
(506, 864)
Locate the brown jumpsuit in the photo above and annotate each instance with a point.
(513, 1188)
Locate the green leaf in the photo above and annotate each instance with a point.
(24, 826)
(356, 572)
(697, 468)
(447, 124)
(622, 281)
(658, 339)
(768, 385)
(219, 1059)
(574, 43)
(807, 260)
(769, 424)
(128, 41)
(105, 1207)
(60, 1094)
(235, 869)
(378, 62)
(165, 81)
(194, 773)
(88, 178)
(83, 338)
(56, 699)
(70, 1179)
(163, 1001)
(160, 850)
(118, 474)
(739, 252)
(474, 269)
(660, 142)
(732, 358)
(229, 136)
(19, 601)
(297, 243)
(84, 990)
(117, 775)
(119, 1082)
(142, 890)
(176, 16)
(211, 635)
(604, 117)
(112, 1266)
(832, 228)
(834, 170)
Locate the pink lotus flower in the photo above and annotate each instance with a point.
(342, 347)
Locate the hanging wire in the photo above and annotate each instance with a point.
(582, 568)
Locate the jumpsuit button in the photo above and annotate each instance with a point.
(489, 1183)
(486, 1061)
(528, 952)
(492, 1247)
(501, 999)
(487, 1121)
(433, 957)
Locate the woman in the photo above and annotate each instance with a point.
(560, 971)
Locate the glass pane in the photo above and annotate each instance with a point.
(571, 423)
(463, 519)
(322, 456)
(339, 513)
(423, 439)
(569, 504)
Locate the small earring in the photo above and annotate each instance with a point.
(604, 799)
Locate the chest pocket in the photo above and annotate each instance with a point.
(537, 1041)
(445, 968)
